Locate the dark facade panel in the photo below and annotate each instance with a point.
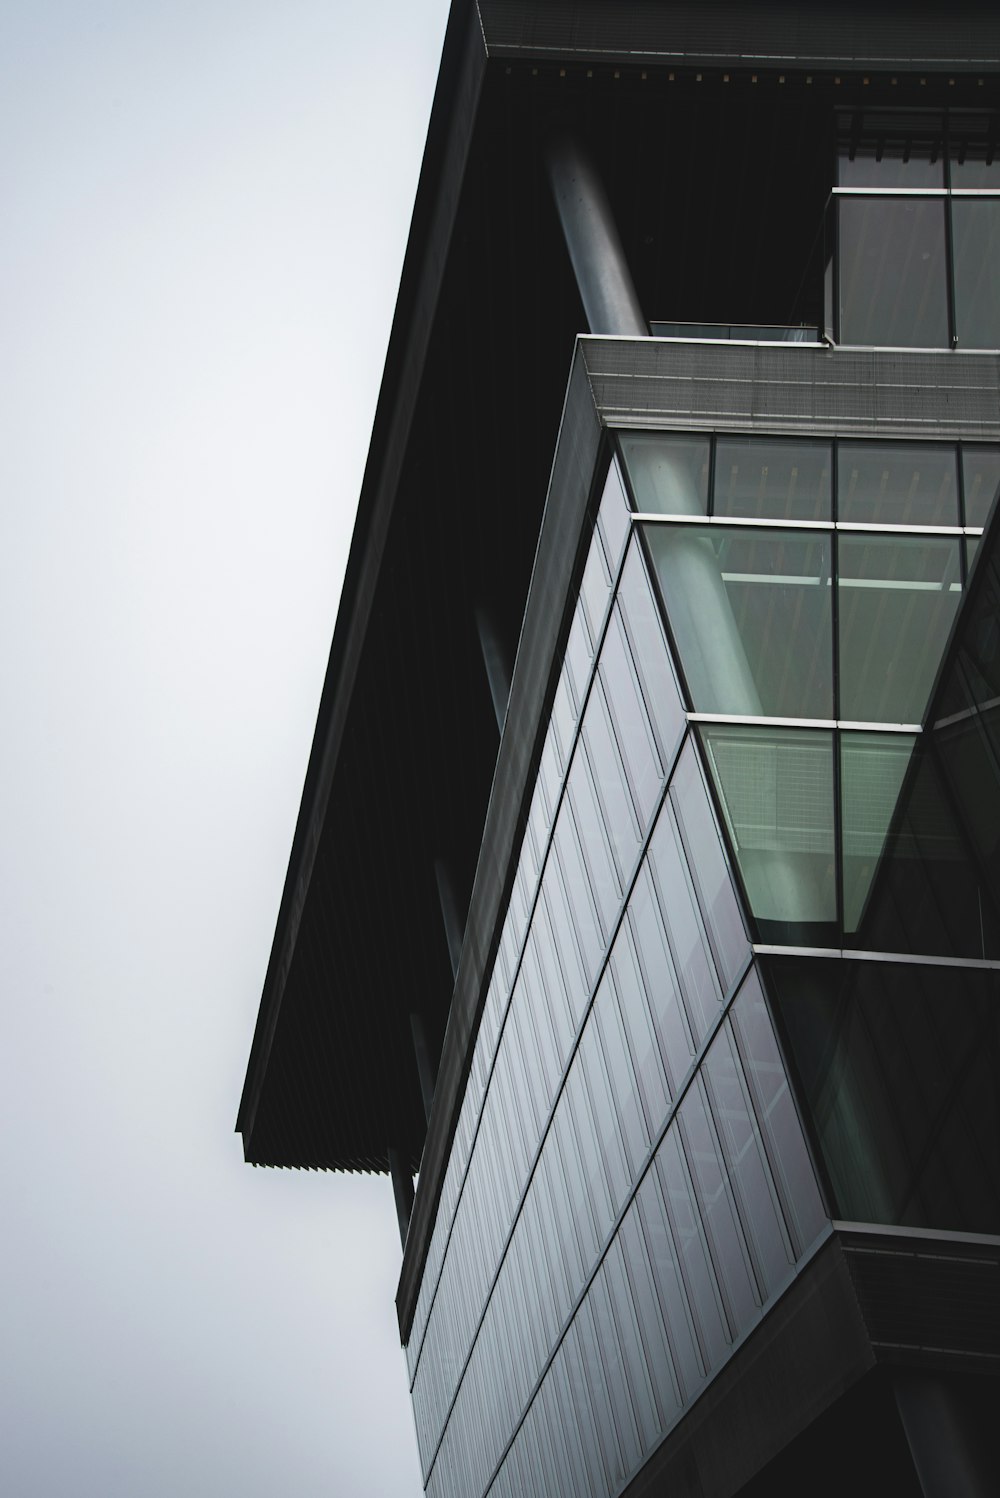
(562, 536)
(727, 32)
(463, 68)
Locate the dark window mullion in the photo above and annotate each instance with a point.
(838, 803)
(949, 240)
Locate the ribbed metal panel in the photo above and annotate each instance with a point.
(778, 387)
(939, 1302)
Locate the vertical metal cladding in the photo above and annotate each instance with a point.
(629, 1187)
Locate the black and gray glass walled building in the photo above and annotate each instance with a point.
(645, 894)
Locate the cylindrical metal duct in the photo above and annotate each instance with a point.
(592, 238)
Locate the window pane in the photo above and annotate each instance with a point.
(669, 475)
(776, 790)
(872, 767)
(897, 484)
(981, 479)
(976, 238)
(898, 1066)
(892, 272)
(772, 480)
(750, 615)
(897, 598)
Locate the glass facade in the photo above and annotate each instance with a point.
(750, 968)
(810, 607)
(856, 797)
(917, 209)
(751, 740)
(629, 1186)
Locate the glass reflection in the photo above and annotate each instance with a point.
(976, 238)
(981, 482)
(750, 613)
(778, 480)
(872, 768)
(669, 475)
(892, 272)
(898, 596)
(897, 484)
(776, 791)
(897, 1066)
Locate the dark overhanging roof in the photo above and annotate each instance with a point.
(459, 79)
(405, 746)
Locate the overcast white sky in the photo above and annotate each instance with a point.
(205, 206)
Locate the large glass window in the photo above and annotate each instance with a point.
(669, 474)
(792, 633)
(776, 790)
(898, 596)
(897, 1067)
(897, 483)
(918, 231)
(976, 231)
(872, 768)
(981, 482)
(772, 480)
(750, 614)
(893, 278)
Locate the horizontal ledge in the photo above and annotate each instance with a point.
(917, 192)
(749, 720)
(909, 959)
(900, 1230)
(762, 522)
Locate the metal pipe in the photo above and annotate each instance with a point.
(402, 1190)
(426, 1071)
(495, 661)
(454, 926)
(942, 1443)
(595, 248)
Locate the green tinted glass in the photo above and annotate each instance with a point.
(669, 475)
(897, 483)
(872, 768)
(750, 612)
(775, 786)
(897, 598)
(772, 480)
